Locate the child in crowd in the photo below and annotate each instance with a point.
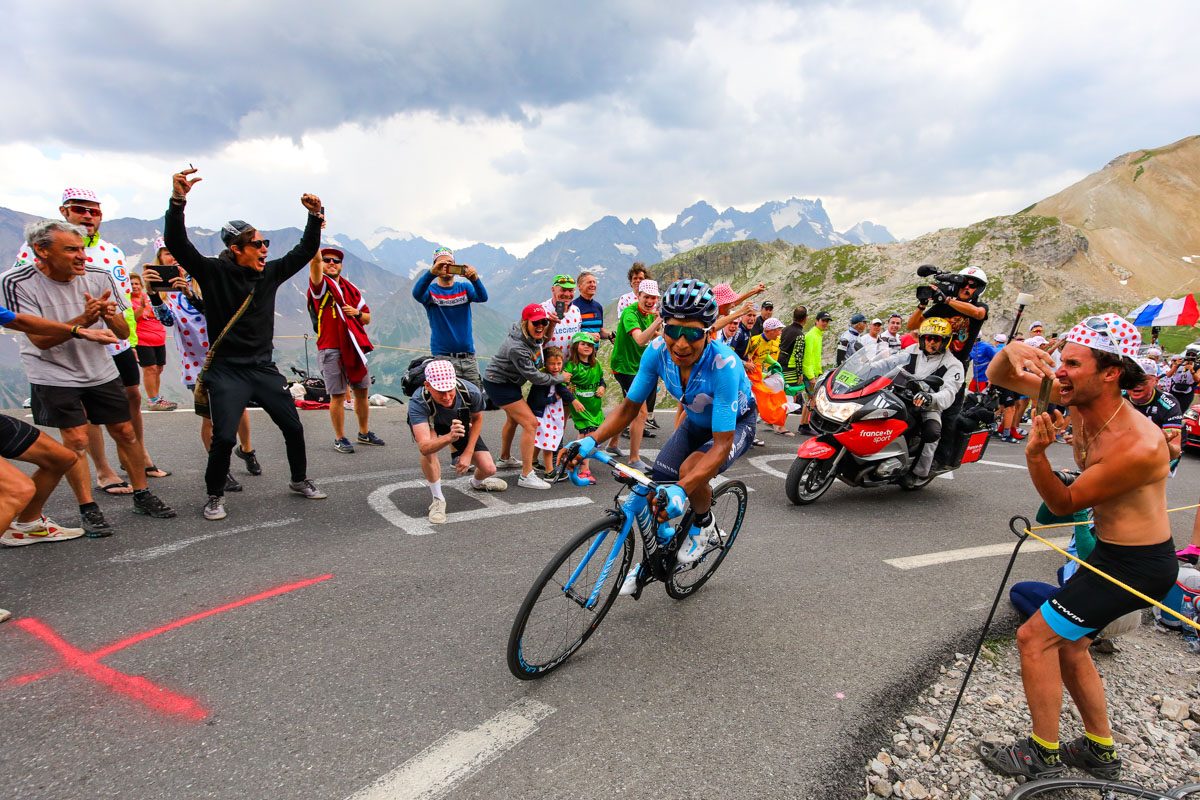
(587, 382)
(546, 403)
(151, 347)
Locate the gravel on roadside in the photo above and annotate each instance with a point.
(1152, 683)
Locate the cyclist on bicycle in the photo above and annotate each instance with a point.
(708, 379)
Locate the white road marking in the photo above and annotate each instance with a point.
(947, 475)
(171, 547)
(1000, 464)
(380, 500)
(457, 755)
(761, 463)
(968, 553)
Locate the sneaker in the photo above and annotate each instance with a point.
(695, 544)
(640, 466)
(40, 530)
(1017, 434)
(629, 585)
(490, 484)
(308, 489)
(343, 445)
(1008, 439)
(532, 481)
(509, 463)
(370, 438)
(759, 443)
(95, 526)
(250, 458)
(1020, 759)
(150, 506)
(437, 510)
(162, 405)
(231, 485)
(587, 475)
(214, 509)
(1190, 554)
(651, 422)
(1080, 755)
(615, 452)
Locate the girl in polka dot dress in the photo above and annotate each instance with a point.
(546, 402)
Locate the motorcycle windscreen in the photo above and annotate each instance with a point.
(859, 376)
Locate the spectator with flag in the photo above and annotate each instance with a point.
(342, 344)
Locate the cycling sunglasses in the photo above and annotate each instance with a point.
(258, 244)
(693, 335)
(86, 211)
(330, 260)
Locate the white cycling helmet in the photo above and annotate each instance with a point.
(976, 273)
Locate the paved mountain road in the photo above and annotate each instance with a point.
(344, 654)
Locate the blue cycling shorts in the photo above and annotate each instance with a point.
(692, 438)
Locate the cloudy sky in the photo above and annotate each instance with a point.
(505, 121)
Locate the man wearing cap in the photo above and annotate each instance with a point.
(869, 341)
(447, 302)
(1159, 407)
(764, 313)
(890, 338)
(239, 288)
(342, 344)
(82, 207)
(72, 382)
(448, 412)
(638, 326)
(565, 320)
(591, 313)
(1124, 462)
(848, 341)
(813, 354)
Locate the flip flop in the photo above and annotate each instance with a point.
(108, 488)
(784, 433)
(150, 470)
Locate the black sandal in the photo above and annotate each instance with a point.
(1080, 755)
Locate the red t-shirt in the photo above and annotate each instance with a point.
(329, 314)
(150, 331)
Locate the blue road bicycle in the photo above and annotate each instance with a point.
(575, 590)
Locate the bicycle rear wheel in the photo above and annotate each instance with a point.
(553, 622)
(728, 509)
(1085, 787)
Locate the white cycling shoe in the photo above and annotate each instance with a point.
(630, 584)
(694, 544)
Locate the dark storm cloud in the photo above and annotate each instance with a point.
(182, 77)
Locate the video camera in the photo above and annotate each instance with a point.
(948, 284)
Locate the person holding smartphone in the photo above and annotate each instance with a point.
(447, 300)
(565, 317)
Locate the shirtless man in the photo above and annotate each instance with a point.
(1123, 459)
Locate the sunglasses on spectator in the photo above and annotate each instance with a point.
(85, 211)
(258, 244)
(693, 335)
(539, 323)
(331, 260)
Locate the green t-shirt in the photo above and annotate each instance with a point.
(585, 381)
(627, 353)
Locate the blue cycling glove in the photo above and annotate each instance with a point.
(587, 446)
(676, 501)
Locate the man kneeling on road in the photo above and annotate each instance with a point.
(1124, 461)
(449, 412)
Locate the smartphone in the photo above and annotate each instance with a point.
(1043, 401)
(167, 272)
(560, 308)
(456, 269)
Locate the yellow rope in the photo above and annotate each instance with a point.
(1081, 562)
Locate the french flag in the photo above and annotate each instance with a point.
(1178, 311)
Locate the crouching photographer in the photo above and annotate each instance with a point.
(954, 297)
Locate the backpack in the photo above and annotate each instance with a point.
(414, 376)
(312, 315)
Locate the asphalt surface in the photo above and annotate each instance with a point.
(776, 679)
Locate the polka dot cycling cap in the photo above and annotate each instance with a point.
(772, 324)
(1148, 365)
(1108, 333)
(79, 194)
(159, 244)
(440, 375)
(649, 287)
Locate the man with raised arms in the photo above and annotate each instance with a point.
(1123, 459)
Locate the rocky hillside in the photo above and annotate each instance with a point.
(1120, 236)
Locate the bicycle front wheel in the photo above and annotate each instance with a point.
(1086, 787)
(728, 509)
(568, 600)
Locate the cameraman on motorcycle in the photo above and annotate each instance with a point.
(930, 357)
(966, 315)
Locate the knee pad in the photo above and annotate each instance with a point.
(931, 430)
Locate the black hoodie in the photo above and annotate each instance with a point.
(225, 285)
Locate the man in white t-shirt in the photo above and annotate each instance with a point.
(565, 317)
(870, 343)
(890, 338)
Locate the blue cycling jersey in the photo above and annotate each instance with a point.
(717, 393)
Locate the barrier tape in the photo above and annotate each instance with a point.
(1030, 532)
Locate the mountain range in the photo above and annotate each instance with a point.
(385, 266)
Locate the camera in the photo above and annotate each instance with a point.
(948, 284)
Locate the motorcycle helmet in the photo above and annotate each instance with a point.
(976, 273)
(936, 327)
(689, 299)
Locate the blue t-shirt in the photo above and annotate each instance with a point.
(591, 313)
(6, 316)
(717, 393)
(449, 312)
(981, 355)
